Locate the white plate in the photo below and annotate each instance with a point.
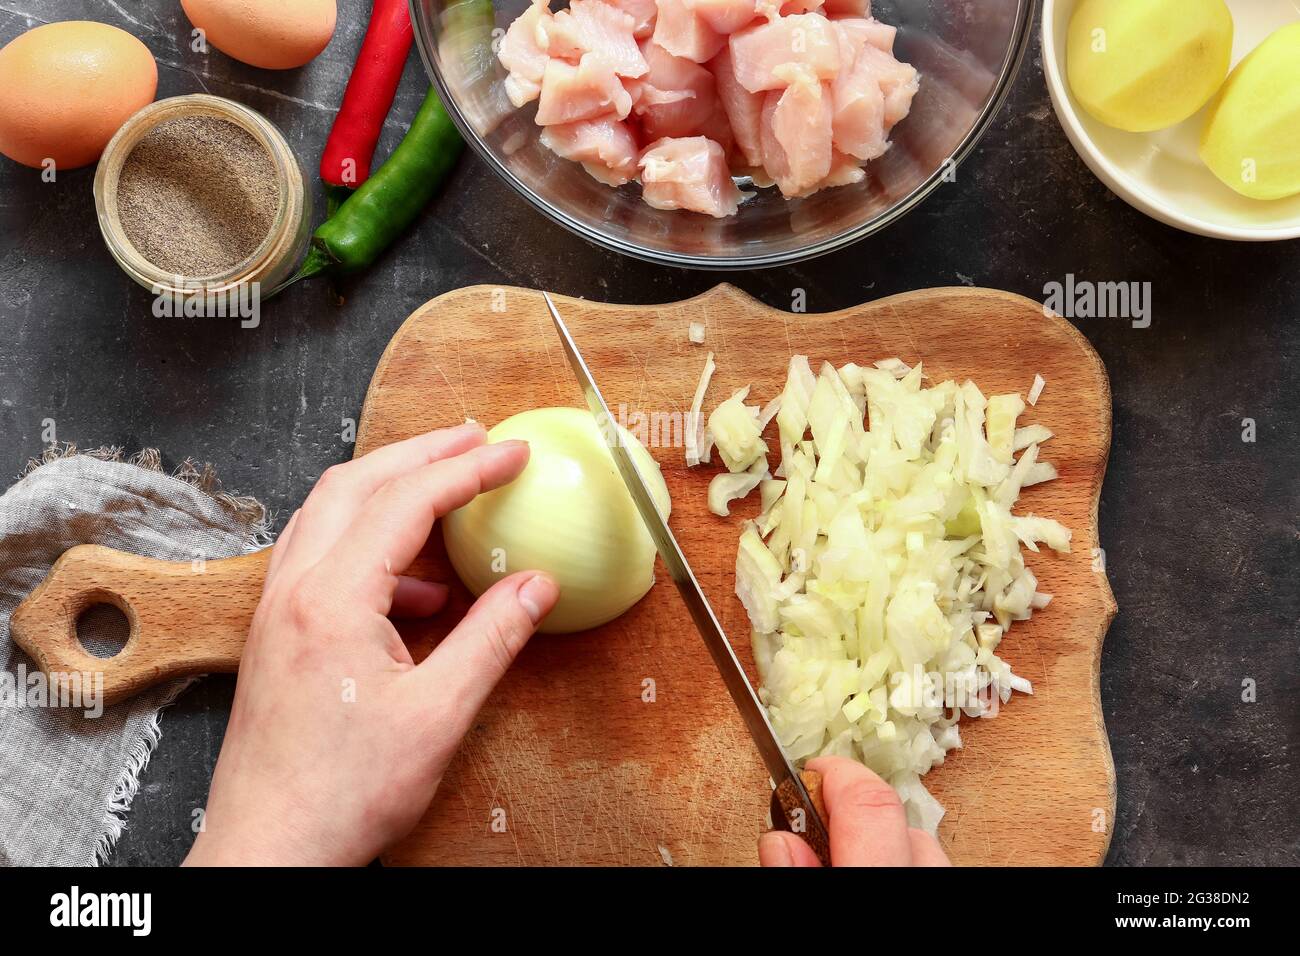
(1160, 173)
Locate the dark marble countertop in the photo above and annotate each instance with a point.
(1199, 526)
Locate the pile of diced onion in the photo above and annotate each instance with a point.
(885, 566)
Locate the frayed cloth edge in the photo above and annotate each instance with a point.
(127, 786)
(257, 536)
(204, 479)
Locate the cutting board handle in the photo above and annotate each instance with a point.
(185, 617)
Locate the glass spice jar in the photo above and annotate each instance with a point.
(257, 277)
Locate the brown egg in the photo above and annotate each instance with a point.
(272, 34)
(66, 87)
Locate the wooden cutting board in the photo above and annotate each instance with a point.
(620, 746)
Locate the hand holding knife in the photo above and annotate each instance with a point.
(796, 803)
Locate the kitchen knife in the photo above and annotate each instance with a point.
(793, 805)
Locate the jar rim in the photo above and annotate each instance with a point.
(284, 225)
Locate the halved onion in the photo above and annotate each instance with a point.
(568, 514)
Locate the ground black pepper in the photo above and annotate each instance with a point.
(197, 195)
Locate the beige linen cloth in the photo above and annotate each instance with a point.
(66, 780)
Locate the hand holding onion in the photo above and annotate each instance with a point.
(337, 740)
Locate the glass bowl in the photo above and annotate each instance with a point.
(967, 51)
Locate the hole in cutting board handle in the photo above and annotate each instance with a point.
(103, 629)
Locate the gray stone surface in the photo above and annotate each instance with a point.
(1199, 527)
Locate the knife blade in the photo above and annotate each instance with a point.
(790, 792)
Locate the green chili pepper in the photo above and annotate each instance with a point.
(384, 205)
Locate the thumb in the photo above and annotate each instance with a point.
(470, 661)
(779, 848)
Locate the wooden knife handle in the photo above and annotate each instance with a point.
(185, 617)
(787, 810)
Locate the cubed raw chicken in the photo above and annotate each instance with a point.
(588, 90)
(796, 131)
(643, 14)
(862, 32)
(605, 146)
(898, 81)
(522, 54)
(793, 93)
(858, 119)
(676, 98)
(592, 26)
(744, 109)
(807, 39)
(684, 32)
(689, 173)
(724, 16)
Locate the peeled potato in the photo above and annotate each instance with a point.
(1142, 65)
(1252, 137)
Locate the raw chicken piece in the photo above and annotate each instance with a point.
(676, 98)
(590, 26)
(718, 128)
(744, 109)
(796, 131)
(858, 118)
(605, 146)
(845, 171)
(852, 8)
(724, 16)
(689, 173)
(807, 39)
(523, 55)
(685, 33)
(586, 91)
(643, 13)
(898, 81)
(861, 32)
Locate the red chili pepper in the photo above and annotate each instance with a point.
(369, 96)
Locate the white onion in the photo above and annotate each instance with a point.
(568, 514)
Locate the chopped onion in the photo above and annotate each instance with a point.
(769, 490)
(1040, 472)
(736, 433)
(885, 567)
(895, 366)
(1002, 412)
(694, 418)
(695, 332)
(1035, 390)
(768, 413)
(727, 486)
(1030, 435)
